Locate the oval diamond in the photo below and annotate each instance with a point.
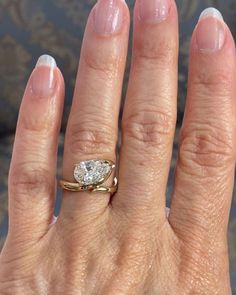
(93, 172)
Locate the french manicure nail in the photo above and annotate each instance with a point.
(154, 11)
(108, 16)
(43, 80)
(210, 31)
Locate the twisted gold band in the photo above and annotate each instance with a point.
(90, 175)
(76, 187)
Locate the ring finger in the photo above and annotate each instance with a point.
(93, 123)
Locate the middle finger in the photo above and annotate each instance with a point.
(150, 110)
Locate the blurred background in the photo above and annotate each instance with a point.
(30, 28)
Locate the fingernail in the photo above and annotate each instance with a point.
(108, 16)
(154, 11)
(210, 31)
(43, 80)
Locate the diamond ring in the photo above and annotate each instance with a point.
(90, 175)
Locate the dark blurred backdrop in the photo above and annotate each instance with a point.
(30, 28)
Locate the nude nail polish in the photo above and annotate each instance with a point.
(210, 31)
(43, 80)
(108, 16)
(154, 11)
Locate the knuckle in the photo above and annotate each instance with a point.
(42, 124)
(209, 82)
(100, 62)
(149, 128)
(154, 52)
(28, 179)
(205, 148)
(87, 140)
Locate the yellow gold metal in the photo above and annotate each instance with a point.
(80, 187)
(76, 187)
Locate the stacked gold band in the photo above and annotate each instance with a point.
(75, 187)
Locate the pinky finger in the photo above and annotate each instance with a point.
(33, 166)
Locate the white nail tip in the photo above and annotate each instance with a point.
(211, 12)
(46, 60)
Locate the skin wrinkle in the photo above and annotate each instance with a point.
(127, 245)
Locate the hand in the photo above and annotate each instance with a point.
(127, 244)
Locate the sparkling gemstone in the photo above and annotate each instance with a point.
(92, 172)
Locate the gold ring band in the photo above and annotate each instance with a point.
(76, 187)
(90, 175)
